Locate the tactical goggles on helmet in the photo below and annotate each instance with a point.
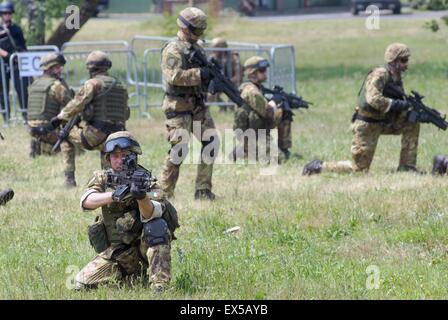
(121, 143)
(196, 31)
(100, 64)
(261, 65)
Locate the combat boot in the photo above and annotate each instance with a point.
(440, 164)
(35, 148)
(204, 194)
(70, 179)
(5, 196)
(312, 167)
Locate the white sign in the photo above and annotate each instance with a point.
(29, 63)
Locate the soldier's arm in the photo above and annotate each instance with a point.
(257, 102)
(95, 195)
(375, 83)
(172, 71)
(61, 93)
(82, 98)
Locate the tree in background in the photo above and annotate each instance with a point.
(40, 14)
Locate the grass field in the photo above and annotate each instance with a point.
(314, 237)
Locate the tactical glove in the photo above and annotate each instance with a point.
(120, 192)
(399, 105)
(55, 122)
(140, 181)
(206, 75)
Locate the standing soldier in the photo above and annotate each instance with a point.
(103, 104)
(5, 196)
(378, 113)
(185, 91)
(116, 235)
(11, 41)
(48, 94)
(262, 114)
(230, 64)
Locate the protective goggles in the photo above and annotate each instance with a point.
(196, 31)
(121, 143)
(260, 65)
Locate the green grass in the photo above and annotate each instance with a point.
(300, 238)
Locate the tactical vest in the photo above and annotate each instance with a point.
(41, 106)
(111, 104)
(362, 101)
(182, 90)
(110, 215)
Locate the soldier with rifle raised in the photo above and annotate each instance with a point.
(384, 108)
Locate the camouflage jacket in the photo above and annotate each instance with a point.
(372, 102)
(83, 97)
(175, 74)
(261, 116)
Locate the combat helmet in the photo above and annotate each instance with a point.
(98, 60)
(395, 51)
(255, 63)
(52, 59)
(219, 43)
(6, 7)
(122, 140)
(193, 19)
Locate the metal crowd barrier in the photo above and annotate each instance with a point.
(138, 65)
(124, 65)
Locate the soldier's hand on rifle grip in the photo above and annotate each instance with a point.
(55, 122)
(138, 191)
(399, 105)
(206, 75)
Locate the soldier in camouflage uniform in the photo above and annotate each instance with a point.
(379, 113)
(5, 196)
(261, 113)
(231, 68)
(125, 247)
(47, 96)
(185, 91)
(103, 103)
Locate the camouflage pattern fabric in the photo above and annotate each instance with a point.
(230, 62)
(175, 75)
(170, 171)
(366, 135)
(119, 261)
(284, 134)
(61, 93)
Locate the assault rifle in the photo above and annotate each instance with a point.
(65, 131)
(219, 82)
(418, 112)
(288, 101)
(130, 173)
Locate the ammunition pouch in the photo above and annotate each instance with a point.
(155, 232)
(129, 226)
(170, 216)
(88, 113)
(98, 235)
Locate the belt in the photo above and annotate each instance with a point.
(357, 116)
(107, 127)
(173, 114)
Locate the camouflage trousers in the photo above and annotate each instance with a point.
(365, 140)
(284, 134)
(121, 262)
(284, 142)
(175, 128)
(43, 143)
(87, 138)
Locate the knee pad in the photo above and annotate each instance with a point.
(155, 232)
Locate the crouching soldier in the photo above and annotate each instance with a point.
(136, 226)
